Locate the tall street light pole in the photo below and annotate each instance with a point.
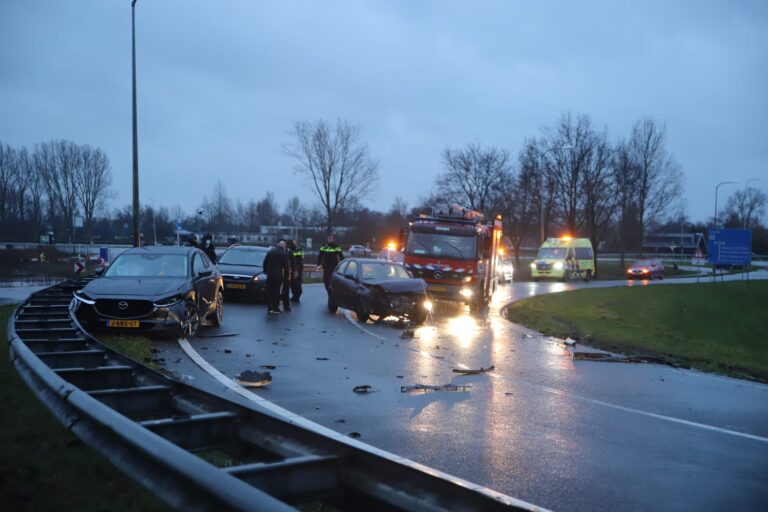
(716, 189)
(542, 231)
(136, 229)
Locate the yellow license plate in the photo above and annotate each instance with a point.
(437, 288)
(238, 286)
(122, 323)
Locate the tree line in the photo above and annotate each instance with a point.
(44, 189)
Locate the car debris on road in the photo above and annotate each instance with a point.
(253, 379)
(365, 388)
(472, 371)
(427, 387)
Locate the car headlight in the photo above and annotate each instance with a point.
(169, 301)
(259, 277)
(533, 266)
(81, 297)
(428, 305)
(468, 279)
(466, 292)
(558, 265)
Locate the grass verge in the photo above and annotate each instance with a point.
(43, 467)
(718, 327)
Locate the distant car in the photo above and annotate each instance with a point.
(380, 288)
(646, 269)
(359, 251)
(505, 270)
(243, 273)
(155, 290)
(390, 254)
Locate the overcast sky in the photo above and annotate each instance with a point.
(221, 82)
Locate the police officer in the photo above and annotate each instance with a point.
(330, 255)
(277, 267)
(208, 247)
(297, 270)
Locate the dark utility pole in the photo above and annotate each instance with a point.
(136, 230)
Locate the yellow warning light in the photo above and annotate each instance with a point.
(501, 251)
(567, 237)
(391, 246)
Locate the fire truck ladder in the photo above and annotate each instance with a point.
(152, 427)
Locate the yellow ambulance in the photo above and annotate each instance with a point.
(564, 258)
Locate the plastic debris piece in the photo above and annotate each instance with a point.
(227, 351)
(340, 421)
(399, 376)
(321, 359)
(408, 333)
(472, 371)
(569, 341)
(610, 358)
(365, 388)
(427, 387)
(268, 366)
(355, 435)
(253, 379)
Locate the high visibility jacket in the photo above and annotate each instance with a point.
(297, 259)
(330, 255)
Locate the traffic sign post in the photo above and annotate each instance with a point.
(730, 248)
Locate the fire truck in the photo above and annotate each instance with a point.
(454, 250)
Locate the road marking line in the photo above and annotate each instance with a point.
(558, 392)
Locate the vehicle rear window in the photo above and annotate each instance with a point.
(148, 265)
(247, 258)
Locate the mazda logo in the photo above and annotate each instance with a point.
(438, 275)
(122, 304)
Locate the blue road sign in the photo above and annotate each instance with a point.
(178, 225)
(729, 246)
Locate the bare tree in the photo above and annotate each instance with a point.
(599, 191)
(521, 196)
(474, 176)
(746, 207)
(92, 179)
(399, 206)
(625, 176)
(659, 179)
(335, 161)
(295, 213)
(9, 175)
(56, 161)
(221, 207)
(267, 210)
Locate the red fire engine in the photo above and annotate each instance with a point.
(454, 251)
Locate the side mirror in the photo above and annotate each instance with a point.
(205, 273)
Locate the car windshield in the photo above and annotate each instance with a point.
(643, 263)
(148, 265)
(240, 257)
(441, 245)
(551, 253)
(381, 271)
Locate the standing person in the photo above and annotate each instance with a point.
(286, 283)
(192, 241)
(297, 270)
(208, 247)
(330, 255)
(276, 267)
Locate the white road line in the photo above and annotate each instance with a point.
(565, 394)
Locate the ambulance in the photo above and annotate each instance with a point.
(564, 259)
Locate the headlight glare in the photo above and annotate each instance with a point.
(466, 292)
(558, 265)
(428, 305)
(169, 301)
(533, 266)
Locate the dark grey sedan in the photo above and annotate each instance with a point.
(157, 289)
(243, 273)
(379, 288)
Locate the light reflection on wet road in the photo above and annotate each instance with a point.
(562, 434)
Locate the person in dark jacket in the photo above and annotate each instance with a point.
(192, 241)
(208, 248)
(329, 256)
(297, 270)
(277, 267)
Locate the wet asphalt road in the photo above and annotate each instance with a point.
(541, 427)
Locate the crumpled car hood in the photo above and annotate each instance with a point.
(400, 285)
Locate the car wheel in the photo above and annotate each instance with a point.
(331, 306)
(419, 317)
(218, 314)
(191, 320)
(363, 311)
(535, 279)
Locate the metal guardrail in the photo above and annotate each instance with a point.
(150, 427)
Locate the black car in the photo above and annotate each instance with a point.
(378, 287)
(157, 289)
(243, 273)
